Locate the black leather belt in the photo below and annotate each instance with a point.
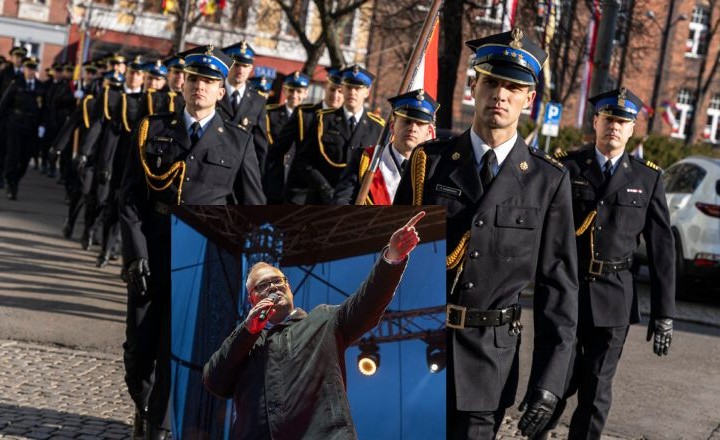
(599, 267)
(162, 208)
(461, 317)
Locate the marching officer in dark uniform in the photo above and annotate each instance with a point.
(262, 84)
(167, 98)
(115, 146)
(59, 104)
(22, 105)
(616, 198)
(10, 73)
(190, 157)
(297, 128)
(295, 90)
(412, 124)
(333, 137)
(508, 223)
(241, 104)
(101, 131)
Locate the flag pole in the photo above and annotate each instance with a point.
(411, 72)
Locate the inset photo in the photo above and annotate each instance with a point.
(293, 322)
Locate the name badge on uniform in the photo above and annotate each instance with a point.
(448, 190)
(635, 190)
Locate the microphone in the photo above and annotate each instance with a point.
(274, 297)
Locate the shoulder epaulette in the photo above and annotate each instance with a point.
(548, 158)
(325, 111)
(272, 106)
(307, 106)
(647, 163)
(560, 154)
(376, 118)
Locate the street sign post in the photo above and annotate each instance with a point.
(551, 122)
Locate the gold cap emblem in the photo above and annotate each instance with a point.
(524, 166)
(209, 49)
(622, 96)
(296, 75)
(356, 69)
(516, 35)
(421, 95)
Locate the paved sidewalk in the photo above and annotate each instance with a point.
(57, 393)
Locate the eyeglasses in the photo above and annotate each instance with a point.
(265, 285)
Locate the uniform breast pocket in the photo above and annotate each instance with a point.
(219, 167)
(159, 155)
(516, 230)
(332, 145)
(447, 196)
(630, 210)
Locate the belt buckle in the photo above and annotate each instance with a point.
(462, 310)
(596, 267)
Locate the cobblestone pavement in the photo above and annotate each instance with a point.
(61, 394)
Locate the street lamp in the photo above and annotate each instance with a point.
(663, 49)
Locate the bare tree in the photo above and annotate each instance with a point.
(333, 15)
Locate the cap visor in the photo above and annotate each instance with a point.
(507, 72)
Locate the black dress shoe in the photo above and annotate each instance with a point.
(156, 433)
(138, 432)
(86, 241)
(12, 191)
(102, 260)
(67, 230)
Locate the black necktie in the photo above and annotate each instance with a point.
(353, 123)
(31, 85)
(486, 171)
(235, 101)
(195, 133)
(607, 171)
(403, 164)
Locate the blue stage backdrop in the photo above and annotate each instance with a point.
(403, 400)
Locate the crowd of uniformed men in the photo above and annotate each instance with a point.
(134, 138)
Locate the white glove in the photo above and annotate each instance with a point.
(79, 94)
(41, 131)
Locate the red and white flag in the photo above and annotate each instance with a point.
(427, 72)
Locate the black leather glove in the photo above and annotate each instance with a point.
(538, 407)
(326, 194)
(80, 162)
(138, 273)
(662, 328)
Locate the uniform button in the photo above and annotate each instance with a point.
(597, 254)
(187, 179)
(479, 223)
(468, 285)
(601, 202)
(222, 161)
(520, 220)
(634, 202)
(182, 201)
(191, 157)
(474, 254)
(599, 228)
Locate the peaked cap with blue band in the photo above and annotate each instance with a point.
(620, 103)
(175, 62)
(240, 52)
(296, 80)
(137, 63)
(115, 79)
(357, 76)
(415, 104)
(334, 75)
(510, 56)
(207, 61)
(261, 83)
(156, 68)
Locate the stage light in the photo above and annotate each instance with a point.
(369, 358)
(435, 352)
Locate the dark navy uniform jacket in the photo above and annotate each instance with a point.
(251, 116)
(518, 231)
(326, 150)
(164, 169)
(631, 204)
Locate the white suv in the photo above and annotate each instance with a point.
(692, 190)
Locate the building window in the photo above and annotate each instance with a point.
(685, 105)
(696, 45)
(711, 133)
